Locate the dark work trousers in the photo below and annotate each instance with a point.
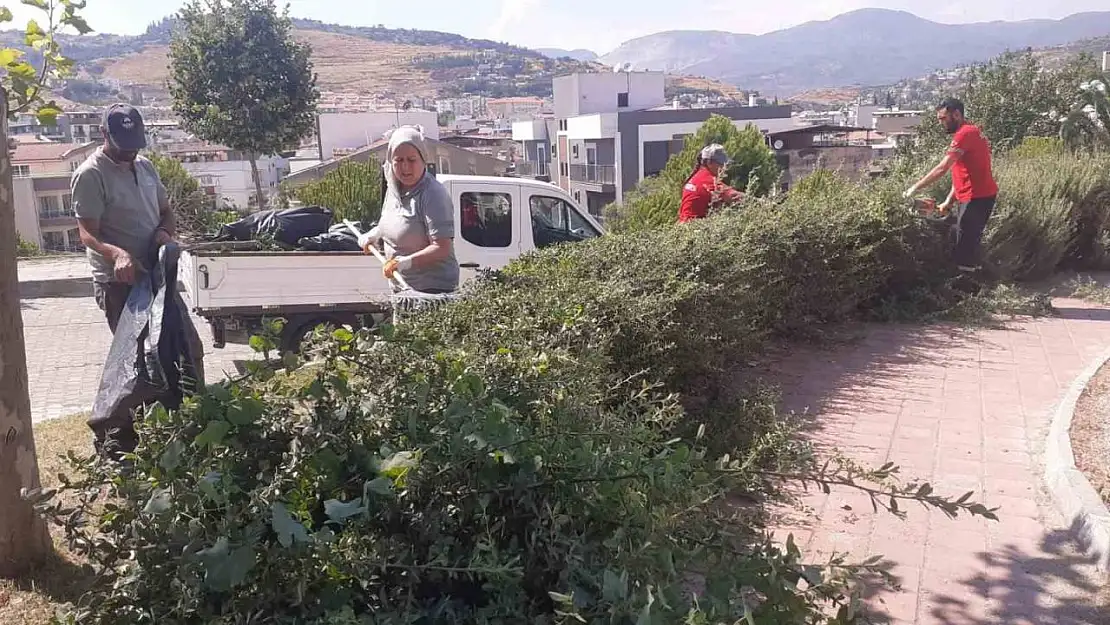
(971, 221)
(111, 297)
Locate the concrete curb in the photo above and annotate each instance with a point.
(1073, 495)
(63, 287)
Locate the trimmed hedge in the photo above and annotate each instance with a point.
(566, 444)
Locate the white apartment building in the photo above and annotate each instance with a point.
(349, 131)
(225, 174)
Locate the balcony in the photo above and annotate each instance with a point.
(55, 212)
(594, 174)
(531, 169)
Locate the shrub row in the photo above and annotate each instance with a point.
(565, 444)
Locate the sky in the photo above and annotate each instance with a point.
(598, 25)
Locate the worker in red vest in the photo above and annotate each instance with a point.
(704, 189)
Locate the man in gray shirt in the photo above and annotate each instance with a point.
(122, 210)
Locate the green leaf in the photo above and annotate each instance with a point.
(34, 32)
(160, 502)
(214, 434)
(224, 568)
(5, 14)
(9, 56)
(171, 457)
(40, 4)
(245, 412)
(288, 530)
(399, 464)
(380, 486)
(22, 69)
(47, 114)
(77, 23)
(614, 587)
(340, 511)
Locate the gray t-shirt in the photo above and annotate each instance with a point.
(409, 223)
(126, 201)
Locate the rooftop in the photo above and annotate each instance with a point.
(41, 152)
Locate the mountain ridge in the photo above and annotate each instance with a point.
(827, 53)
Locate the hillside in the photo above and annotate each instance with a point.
(390, 63)
(864, 47)
(927, 90)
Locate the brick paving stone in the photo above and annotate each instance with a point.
(967, 410)
(67, 343)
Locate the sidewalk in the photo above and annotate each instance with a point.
(965, 410)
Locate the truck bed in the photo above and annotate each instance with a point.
(242, 282)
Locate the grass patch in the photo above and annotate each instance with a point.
(33, 599)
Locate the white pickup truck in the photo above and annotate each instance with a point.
(496, 220)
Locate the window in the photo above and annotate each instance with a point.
(54, 241)
(487, 219)
(555, 221)
(574, 150)
(73, 165)
(622, 100)
(49, 206)
(21, 171)
(444, 166)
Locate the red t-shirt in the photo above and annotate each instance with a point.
(700, 191)
(971, 175)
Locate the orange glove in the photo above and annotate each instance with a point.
(395, 264)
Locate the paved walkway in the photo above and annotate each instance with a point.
(67, 338)
(967, 410)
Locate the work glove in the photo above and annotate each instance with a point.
(369, 239)
(395, 264)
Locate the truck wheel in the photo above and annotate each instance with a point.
(293, 338)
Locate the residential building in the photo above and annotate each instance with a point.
(896, 121)
(84, 126)
(41, 175)
(48, 158)
(800, 151)
(612, 130)
(468, 106)
(350, 131)
(443, 158)
(226, 175)
(515, 108)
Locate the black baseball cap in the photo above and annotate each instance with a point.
(124, 125)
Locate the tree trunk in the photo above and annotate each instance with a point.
(261, 199)
(24, 539)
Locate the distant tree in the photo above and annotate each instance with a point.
(352, 191)
(1087, 125)
(657, 200)
(238, 78)
(193, 208)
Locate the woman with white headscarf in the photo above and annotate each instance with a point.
(418, 219)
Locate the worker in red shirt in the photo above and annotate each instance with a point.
(703, 189)
(973, 185)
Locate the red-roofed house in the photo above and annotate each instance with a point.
(43, 205)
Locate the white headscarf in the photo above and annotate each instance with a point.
(411, 135)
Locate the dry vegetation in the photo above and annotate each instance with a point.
(831, 96)
(706, 84)
(343, 63)
(348, 64)
(32, 600)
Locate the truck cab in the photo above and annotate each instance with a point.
(496, 221)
